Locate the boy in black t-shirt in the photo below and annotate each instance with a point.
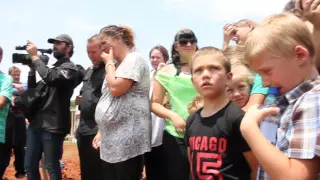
(216, 147)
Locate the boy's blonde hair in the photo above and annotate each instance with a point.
(211, 51)
(196, 104)
(279, 34)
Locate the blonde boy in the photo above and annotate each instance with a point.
(216, 148)
(280, 49)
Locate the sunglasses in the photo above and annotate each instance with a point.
(184, 42)
(184, 38)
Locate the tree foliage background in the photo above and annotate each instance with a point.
(72, 105)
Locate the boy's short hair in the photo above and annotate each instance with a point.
(279, 34)
(209, 50)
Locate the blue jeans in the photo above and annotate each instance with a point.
(39, 141)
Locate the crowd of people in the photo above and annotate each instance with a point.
(195, 115)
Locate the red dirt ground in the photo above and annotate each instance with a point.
(71, 171)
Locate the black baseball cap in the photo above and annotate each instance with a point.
(63, 38)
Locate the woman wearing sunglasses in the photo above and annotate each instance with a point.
(175, 80)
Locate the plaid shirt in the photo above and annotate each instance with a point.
(298, 130)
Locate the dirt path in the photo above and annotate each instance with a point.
(71, 171)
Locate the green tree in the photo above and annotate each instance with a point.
(73, 105)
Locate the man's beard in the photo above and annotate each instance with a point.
(59, 54)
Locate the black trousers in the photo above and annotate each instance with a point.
(90, 162)
(6, 149)
(19, 154)
(175, 152)
(5, 155)
(130, 169)
(155, 163)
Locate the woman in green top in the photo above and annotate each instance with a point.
(175, 80)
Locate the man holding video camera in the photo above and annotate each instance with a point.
(51, 120)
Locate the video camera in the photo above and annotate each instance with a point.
(25, 59)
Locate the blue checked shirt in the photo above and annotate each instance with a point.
(298, 133)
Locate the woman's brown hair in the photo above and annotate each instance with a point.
(163, 51)
(125, 32)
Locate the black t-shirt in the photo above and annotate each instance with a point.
(217, 146)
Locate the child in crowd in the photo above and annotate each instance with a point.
(238, 90)
(196, 104)
(239, 33)
(215, 145)
(281, 50)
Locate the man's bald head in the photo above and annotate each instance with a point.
(94, 50)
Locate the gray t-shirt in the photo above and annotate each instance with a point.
(125, 121)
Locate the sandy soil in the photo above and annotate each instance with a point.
(71, 171)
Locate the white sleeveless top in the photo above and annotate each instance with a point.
(158, 124)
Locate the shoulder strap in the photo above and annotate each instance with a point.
(178, 71)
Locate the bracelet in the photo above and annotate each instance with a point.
(109, 64)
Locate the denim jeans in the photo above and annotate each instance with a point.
(39, 141)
